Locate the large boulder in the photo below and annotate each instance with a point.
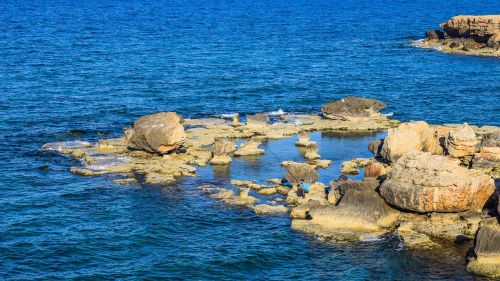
(350, 106)
(461, 142)
(478, 28)
(297, 171)
(486, 259)
(412, 136)
(424, 183)
(158, 133)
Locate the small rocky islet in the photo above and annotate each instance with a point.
(429, 184)
(468, 35)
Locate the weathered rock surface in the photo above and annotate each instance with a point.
(312, 152)
(361, 213)
(257, 120)
(251, 147)
(159, 133)
(221, 149)
(349, 107)
(375, 169)
(486, 259)
(297, 171)
(351, 167)
(477, 35)
(488, 158)
(303, 139)
(423, 182)
(412, 136)
(461, 142)
(269, 209)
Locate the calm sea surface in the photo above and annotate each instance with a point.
(83, 71)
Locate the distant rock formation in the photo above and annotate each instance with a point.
(477, 35)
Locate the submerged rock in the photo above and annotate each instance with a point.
(486, 258)
(159, 133)
(423, 182)
(349, 107)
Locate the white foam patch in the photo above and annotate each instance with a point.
(276, 113)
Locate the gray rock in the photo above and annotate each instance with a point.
(351, 107)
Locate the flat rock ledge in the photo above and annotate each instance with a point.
(468, 35)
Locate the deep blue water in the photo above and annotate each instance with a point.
(83, 71)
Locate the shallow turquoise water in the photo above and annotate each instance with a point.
(83, 71)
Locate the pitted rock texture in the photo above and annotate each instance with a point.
(424, 183)
(461, 142)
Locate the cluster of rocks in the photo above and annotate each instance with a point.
(425, 182)
(478, 35)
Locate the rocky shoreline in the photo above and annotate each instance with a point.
(429, 184)
(468, 35)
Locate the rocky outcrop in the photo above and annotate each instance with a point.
(424, 183)
(221, 149)
(478, 35)
(361, 213)
(257, 120)
(351, 167)
(375, 170)
(158, 133)
(312, 152)
(488, 158)
(303, 139)
(412, 136)
(461, 142)
(352, 107)
(270, 209)
(486, 257)
(251, 147)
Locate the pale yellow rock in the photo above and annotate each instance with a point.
(268, 209)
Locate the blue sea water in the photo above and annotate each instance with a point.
(83, 70)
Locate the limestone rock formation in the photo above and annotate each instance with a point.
(221, 149)
(361, 213)
(269, 209)
(412, 136)
(257, 120)
(478, 28)
(461, 142)
(312, 152)
(297, 171)
(251, 147)
(158, 133)
(303, 139)
(350, 107)
(486, 259)
(375, 169)
(478, 35)
(375, 147)
(423, 182)
(488, 158)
